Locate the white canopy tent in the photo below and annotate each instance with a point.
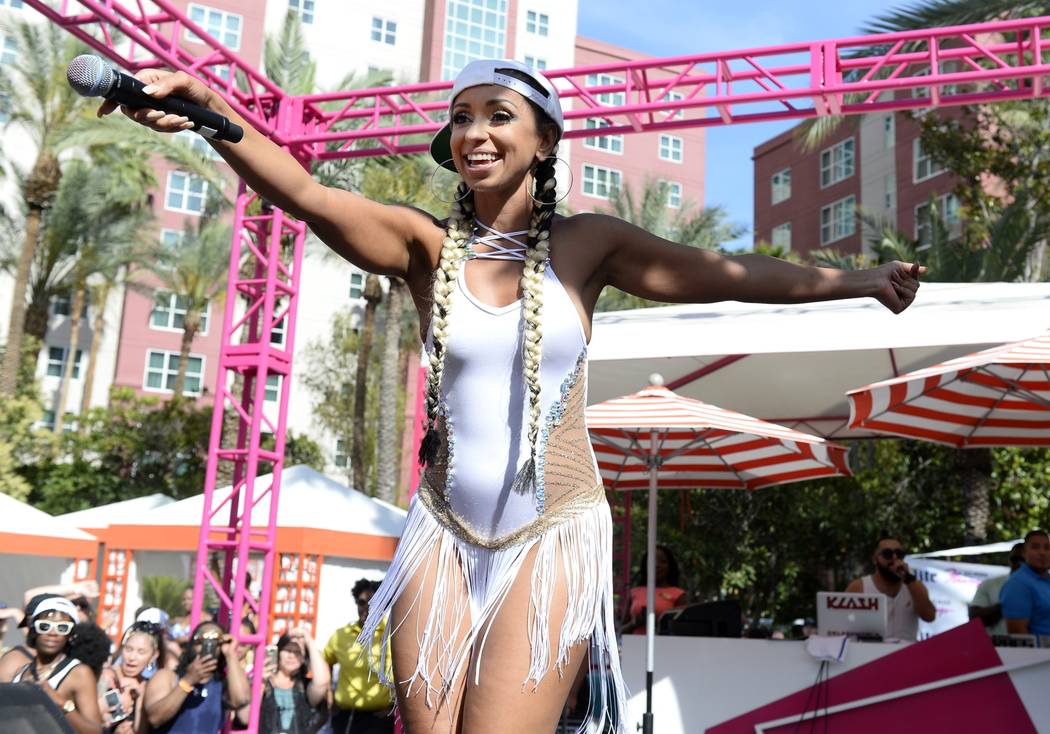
(115, 512)
(37, 549)
(792, 364)
(350, 534)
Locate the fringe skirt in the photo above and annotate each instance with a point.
(579, 550)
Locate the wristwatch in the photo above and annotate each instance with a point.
(69, 706)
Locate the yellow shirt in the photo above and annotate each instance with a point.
(358, 686)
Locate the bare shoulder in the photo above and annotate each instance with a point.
(163, 680)
(856, 585)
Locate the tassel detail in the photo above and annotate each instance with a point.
(428, 447)
(526, 478)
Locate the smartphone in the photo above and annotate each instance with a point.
(209, 647)
(271, 655)
(116, 708)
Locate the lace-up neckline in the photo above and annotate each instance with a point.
(515, 251)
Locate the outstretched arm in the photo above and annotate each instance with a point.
(376, 237)
(651, 267)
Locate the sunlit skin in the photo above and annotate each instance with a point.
(138, 651)
(496, 140)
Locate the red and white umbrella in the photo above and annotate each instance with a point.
(660, 440)
(996, 397)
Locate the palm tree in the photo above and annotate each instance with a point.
(704, 227)
(43, 104)
(99, 213)
(194, 268)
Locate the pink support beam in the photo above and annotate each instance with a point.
(985, 62)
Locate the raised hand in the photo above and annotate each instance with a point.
(160, 84)
(896, 284)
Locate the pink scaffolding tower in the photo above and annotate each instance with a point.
(971, 64)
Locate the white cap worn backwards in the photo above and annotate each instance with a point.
(490, 71)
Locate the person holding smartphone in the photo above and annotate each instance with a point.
(122, 685)
(295, 697)
(907, 599)
(207, 683)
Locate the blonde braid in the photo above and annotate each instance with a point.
(532, 288)
(453, 253)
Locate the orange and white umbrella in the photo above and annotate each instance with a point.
(996, 397)
(692, 444)
(660, 440)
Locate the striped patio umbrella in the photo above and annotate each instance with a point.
(996, 397)
(658, 440)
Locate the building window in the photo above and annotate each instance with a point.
(185, 193)
(781, 182)
(670, 148)
(889, 133)
(342, 459)
(836, 163)
(199, 144)
(162, 367)
(782, 236)
(535, 62)
(674, 194)
(169, 313)
(11, 3)
(224, 27)
(474, 29)
(837, 220)
(600, 182)
(889, 186)
(273, 388)
(675, 97)
(947, 211)
(305, 9)
(56, 362)
(608, 99)
(608, 143)
(5, 108)
(357, 285)
(537, 23)
(61, 304)
(384, 31)
(924, 166)
(277, 333)
(9, 54)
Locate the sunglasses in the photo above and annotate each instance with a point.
(43, 626)
(889, 553)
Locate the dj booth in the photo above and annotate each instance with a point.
(956, 681)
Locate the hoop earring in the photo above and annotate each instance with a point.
(568, 171)
(433, 190)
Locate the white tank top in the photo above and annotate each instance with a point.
(902, 623)
(485, 396)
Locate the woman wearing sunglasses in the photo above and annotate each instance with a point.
(67, 681)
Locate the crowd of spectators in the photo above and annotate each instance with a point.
(165, 677)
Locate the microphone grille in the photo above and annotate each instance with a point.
(89, 75)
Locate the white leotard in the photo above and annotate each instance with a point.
(484, 393)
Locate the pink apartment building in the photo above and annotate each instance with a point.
(151, 328)
(601, 163)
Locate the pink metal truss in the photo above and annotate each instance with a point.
(946, 66)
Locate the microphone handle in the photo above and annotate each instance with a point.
(127, 90)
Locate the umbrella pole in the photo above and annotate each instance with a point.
(650, 585)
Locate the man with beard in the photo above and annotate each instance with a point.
(907, 600)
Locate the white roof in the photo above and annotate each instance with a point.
(115, 512)
(309, 499)
(972, 550)
(18, 518)
(801, 359)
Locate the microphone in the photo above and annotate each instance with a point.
(91, 76)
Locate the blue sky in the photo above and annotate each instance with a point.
(673, 27)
